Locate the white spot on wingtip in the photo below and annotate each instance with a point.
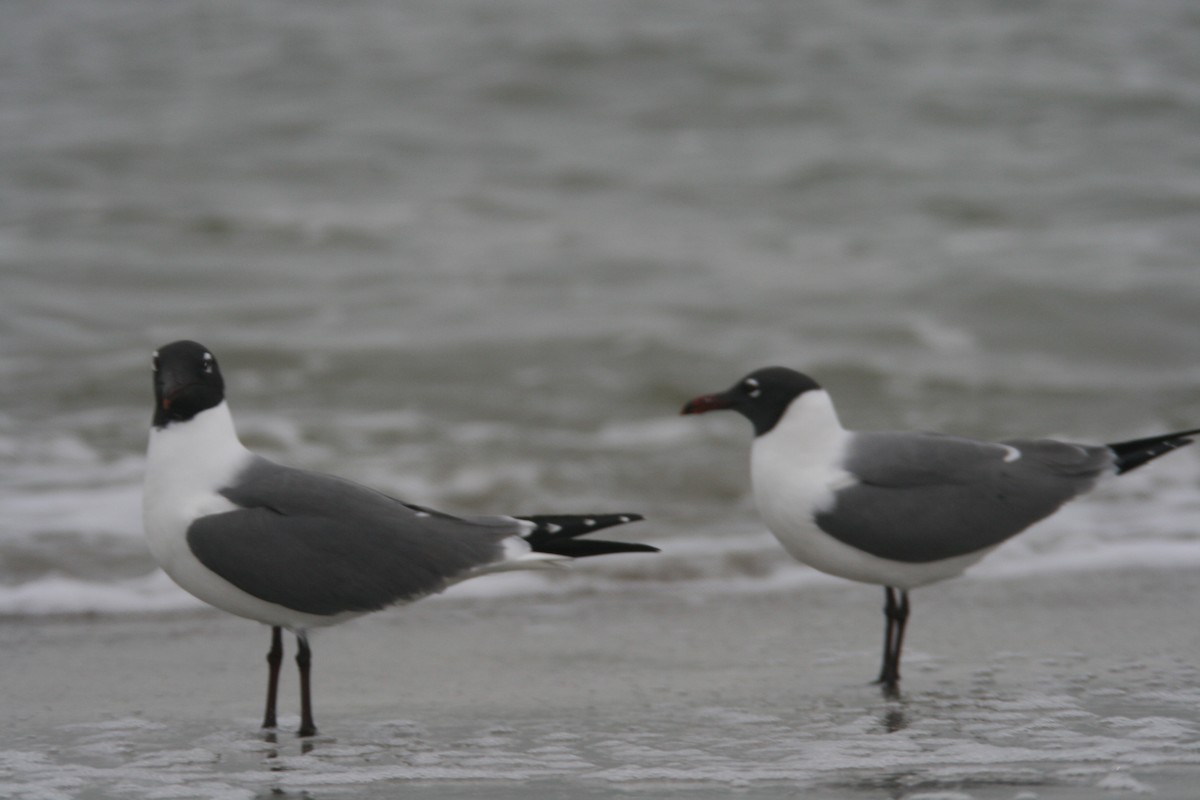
(589, 522)
(421, 514)
(552, 528)
(1011, 454)
(624, 518)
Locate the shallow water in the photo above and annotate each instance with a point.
(1064, 686)
(1131, 730)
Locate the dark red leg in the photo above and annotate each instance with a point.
(304, 662)
(889, 632)
(274, 660)
(896, 611)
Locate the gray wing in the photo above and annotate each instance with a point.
(925, 497)
(322, 545)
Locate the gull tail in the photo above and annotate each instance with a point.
(557, 535)
(1134, 453)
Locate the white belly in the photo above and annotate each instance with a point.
(793, 525)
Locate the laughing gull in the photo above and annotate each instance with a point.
(301, 550)
(901, 509)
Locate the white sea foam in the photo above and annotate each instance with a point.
(1146, 520)
(56, 594)
(699, 566)
(112, 509)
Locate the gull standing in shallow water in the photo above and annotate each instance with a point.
(301, 550)
(901, 509)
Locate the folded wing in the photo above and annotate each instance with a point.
(322, 545)
(919, 498)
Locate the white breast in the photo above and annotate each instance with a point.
(187, 464)
(794, 470)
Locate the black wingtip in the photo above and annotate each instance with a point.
(558, 534)
(1136, 452)
(582, 548)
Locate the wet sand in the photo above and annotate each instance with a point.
(1049, 686)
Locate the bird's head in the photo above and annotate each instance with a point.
(761, 397)
(187, 381)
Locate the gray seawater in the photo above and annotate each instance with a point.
(478, 253)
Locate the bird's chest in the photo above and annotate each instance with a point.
(792, 484)
(169, 508)
(182, 484)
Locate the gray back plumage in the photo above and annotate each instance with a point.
(925, 497)
(323, 545)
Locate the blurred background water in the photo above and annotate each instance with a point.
(478, 253)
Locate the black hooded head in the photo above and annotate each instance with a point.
(187, 381)
(761, 397)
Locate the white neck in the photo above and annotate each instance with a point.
(203, 452)
(794, 466)
(810, 421)
(187, 465)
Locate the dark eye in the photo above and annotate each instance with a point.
(752, 388)
(207, 363)
(154, 362)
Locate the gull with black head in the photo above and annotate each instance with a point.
(901, 509)
(299, 550)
